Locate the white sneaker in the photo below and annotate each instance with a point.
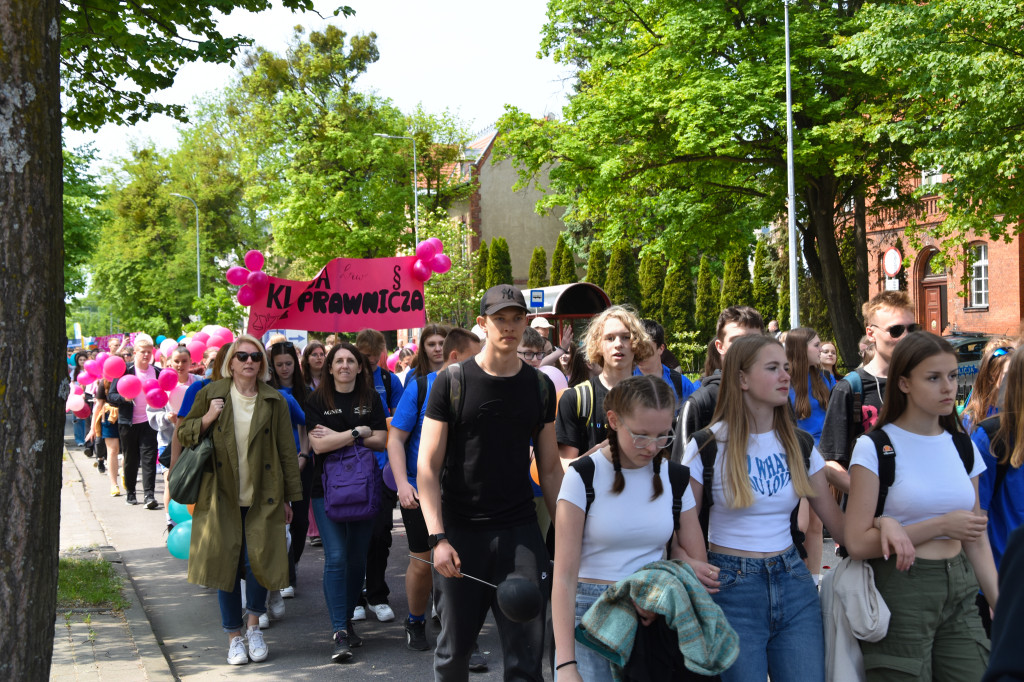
(359, 613)
(288, 592)
(264, 621)
(383, 612)
(275, 604)
(257, 645)
(236, 652)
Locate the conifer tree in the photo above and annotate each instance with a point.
(499, 265)
(480, 266)
(597, 265)
(706, 307)
(652, 281)
(556, 261)
(766, 298)
(538, 269)
(567, 267)
(677, 301)
(622, 285)
(736, 289)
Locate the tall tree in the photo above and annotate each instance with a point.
(652, 281)
(622, 284)
(480, 264)
(736, 288)
(765, 297)
(32, 369)
(597, 264)
(706, 308)
(556, 260)
(450, 297)
(677, 300)
(538, 269)
(567, 267)
(499, 264)
(82, 216)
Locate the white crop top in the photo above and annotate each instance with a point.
(622, 532)
(930, 478)
(763, 526)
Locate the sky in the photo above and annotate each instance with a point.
(470, 56)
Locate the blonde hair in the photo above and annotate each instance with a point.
(732, 412)
(225, 368)
(142, 339)
(638, 337)
(890, 300)
(1011, 418)
(985, 391)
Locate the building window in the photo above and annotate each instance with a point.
(979, 276)
(931, 176)
(934, 266)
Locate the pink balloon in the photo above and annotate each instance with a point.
(420, 271)
(76, 389)
(259, 281)
(227, 334)
(438, 246)
(426, 250)
(254, 260)
(167, 380)
(176, 395)
(217, 339)
(557, 378)
(83, 413)
(201, 336)
(392, 362)
(441, 263)
(150, 384)
(412, 346)
(246, 296)
(101, 358)
(196, 350)
(94, 367)
(156, 398)
(85, 378)
(129, 386)
(236, 275)
(113, 368)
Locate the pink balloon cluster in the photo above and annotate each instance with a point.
(430, 259)
(252, 280)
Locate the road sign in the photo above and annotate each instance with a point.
(892, 262)
(536, 298)
(298, 337)
(892, 285)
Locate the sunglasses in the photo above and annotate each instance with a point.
(285, 345)
(896, 330)
(1000, 352)
(242, 356)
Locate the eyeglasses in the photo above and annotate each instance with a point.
(896, 330)
(530, 355)
(242, 356)
(1000, 352)
(660, 442)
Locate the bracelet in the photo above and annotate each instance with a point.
(562, 665)
(303, 455)
(886, 516)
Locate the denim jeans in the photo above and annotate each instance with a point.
(773, 606)
(345, 548)
(592, 666)
(255, 594)
(80, 430)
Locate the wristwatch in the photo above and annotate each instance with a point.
(432, 540)
(355, 433)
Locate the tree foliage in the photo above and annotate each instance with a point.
(736, 289)
(652, 280)
(706, 307)
(677, 300)
(480, 265)
(622, 284)
(597, 264)
(567, 267)
(451, 297)
(538, 269)
(499, 263)
(82, 217)
(556, 260)
(764, 295)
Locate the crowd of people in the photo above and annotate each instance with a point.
(621, 479)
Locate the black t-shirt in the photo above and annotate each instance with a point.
(574, 430)
(344, 416)
(485, 477)
(841, 426)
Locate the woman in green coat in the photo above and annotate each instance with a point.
(244, 497)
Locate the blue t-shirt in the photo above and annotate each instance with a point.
(813, 424)
(687, 386)
(190, 396)
(389, 410)
(1006, 507)
(409, 419)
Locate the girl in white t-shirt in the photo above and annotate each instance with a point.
(629, 523)
(931, 522)
(758, 578)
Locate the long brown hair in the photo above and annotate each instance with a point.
(1011, 417)
(307, 372)
(299, 390)
(985, 391)
(732, 412)
(363, 389)
(421, 365)
(629, 394)
(909, 353)
(800, 369)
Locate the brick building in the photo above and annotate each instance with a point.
(993, 301)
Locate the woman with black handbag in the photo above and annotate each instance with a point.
(345, 420)
(243, 503)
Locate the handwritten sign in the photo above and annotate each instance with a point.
(348, 295)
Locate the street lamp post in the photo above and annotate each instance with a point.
(794, 299)
(199, 291)
(415, 191)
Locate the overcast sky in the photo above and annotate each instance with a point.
(471, 56)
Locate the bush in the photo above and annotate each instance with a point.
(652, 281)
(556, 261)
(736, 288)
(706, 308)
(597, 265)
(538, 269)
(499, 263)
(480, 266)
(567, 267)
(766, 298)
(622, 285)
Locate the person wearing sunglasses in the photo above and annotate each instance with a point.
(983, 401)
(857, 399)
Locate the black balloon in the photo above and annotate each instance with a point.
(519, 599)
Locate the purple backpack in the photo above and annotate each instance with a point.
(352, 483)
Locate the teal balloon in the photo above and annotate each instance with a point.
(179, 538)
(182, 337)
(178, 511)
(160, 339)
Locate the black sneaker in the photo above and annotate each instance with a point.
(477, 662)
(88, 452)
(151, 502)
(354, 640)
(342, 652)
(131, 499)
(416, 635)
(101, 466)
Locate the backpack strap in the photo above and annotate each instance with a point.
(584, 401)
(677, 383)
(964, 448)
(584, 466)
(708, 455)
(857, 393)
(385, 378)
(679, 478)
(998, 449)
(454, 394)
(806, 441)
(544, 394)
(421, 394)
(886, 466)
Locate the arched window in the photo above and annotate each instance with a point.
(979, 275)
(934, 267)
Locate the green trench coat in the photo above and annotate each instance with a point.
(217, 520)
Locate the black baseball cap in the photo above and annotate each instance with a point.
(501, 297)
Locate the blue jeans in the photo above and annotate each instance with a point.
(773, 606)
(345, 548)
(255, 594)
(80, 430)
(592, 666)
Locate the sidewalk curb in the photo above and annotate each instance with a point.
(151, 655)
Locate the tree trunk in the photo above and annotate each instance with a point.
(860, 245)
(32, 365)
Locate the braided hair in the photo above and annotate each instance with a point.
(628, 395)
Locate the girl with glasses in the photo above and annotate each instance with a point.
(629, 522)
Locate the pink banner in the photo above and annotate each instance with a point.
(348, 295)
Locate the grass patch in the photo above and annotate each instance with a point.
(91, 583)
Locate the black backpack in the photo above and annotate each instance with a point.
(455, 397)
(708, 457)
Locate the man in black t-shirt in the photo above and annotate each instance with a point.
(475, 492)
